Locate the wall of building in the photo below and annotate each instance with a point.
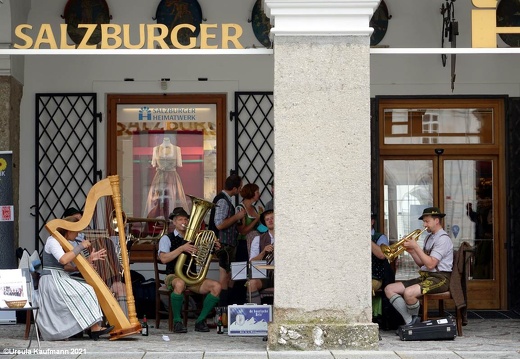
(413, 24)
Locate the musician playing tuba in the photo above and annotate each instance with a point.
(170, 247)
(435, 260)
(262, 246)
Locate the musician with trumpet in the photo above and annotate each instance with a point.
(435, 260)
(171, 246)
(262, 248)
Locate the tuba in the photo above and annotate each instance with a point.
(123, 326)
(393, 251)
(203, 240)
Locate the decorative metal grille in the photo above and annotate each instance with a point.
(513, 196)
(65, 155)
(254, 140)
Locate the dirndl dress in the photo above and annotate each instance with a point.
(166, 190)
(67, 305)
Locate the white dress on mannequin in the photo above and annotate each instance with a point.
(166, 190)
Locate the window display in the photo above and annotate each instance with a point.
(163, 153)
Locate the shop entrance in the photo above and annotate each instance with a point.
(446, 153)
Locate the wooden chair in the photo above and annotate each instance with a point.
(441, 297)
(162, 291)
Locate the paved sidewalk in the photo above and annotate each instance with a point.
(483, 338)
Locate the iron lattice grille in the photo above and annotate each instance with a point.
(254, 140)
(513, 196)
(65, 155)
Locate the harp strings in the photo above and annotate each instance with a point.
(102, 236)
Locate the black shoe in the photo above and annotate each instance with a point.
(415, 319)
(201, 326)
(95, 335)
(178, 327)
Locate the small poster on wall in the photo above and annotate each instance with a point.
(13, 289)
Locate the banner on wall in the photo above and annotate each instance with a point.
(7, 253)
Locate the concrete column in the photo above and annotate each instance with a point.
(322, 172)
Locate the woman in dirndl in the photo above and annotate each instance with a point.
(68, 306)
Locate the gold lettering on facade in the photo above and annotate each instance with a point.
(28, 41)
(90, 30)
(126, 37)
(205, 35)
(107, 35)
(63, 38)
(484, 28)
(227, 38)
(152, 38)
(114, 36)
(45, 36)
(175, 39)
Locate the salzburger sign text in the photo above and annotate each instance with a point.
(114, 36)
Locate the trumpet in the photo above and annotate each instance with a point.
(393, 251)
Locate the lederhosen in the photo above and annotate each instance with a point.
(176, 242)
(430, 282)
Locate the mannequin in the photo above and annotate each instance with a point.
(166, 190)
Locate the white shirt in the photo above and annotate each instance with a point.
(255, 246)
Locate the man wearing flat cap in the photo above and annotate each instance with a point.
(262, 247)
(170, 247)
(436, 262)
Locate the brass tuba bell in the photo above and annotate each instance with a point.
(203, 240)
(393, 251)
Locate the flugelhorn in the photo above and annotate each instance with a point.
(393, 251)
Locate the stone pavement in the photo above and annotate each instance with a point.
(483, 338)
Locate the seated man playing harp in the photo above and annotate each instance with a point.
(67, 306)
(262, 248)
(170, 247)
(109, 269)
(436, 262)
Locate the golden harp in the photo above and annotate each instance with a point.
(123, 326)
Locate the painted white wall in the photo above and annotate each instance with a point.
(413, 24)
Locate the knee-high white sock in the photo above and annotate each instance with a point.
(400, 305)
(413, 309)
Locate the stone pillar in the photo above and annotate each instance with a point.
(322, 172)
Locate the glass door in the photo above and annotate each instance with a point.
(463, 188)
(468, 189)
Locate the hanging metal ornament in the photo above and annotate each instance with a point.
(78, 12)
(450, 30)
(379, 22)
(261, 24)
(508, 14)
